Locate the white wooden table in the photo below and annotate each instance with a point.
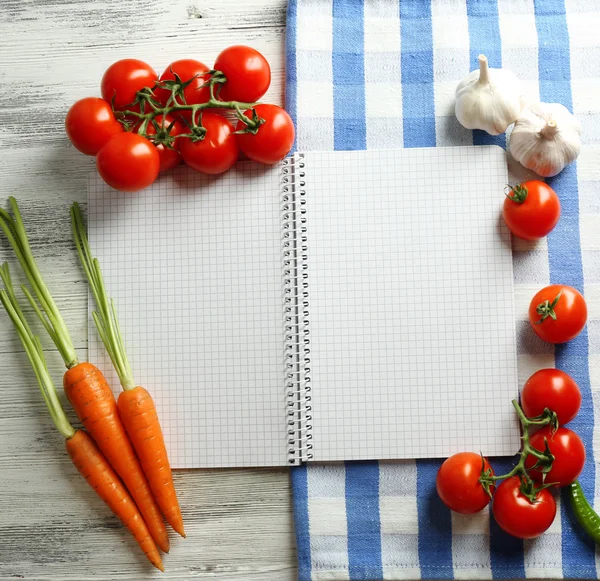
(52, 526)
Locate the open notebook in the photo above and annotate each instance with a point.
(338, 306)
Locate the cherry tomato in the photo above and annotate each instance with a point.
(169, 158)
(217, 152)
(274, 137)
(123, 79)
(458, 484)
(552, 389)
(128, 162)
(517, 516)
(557, 313)
(247, 71)
(568, 451)
(90, 123)
(194, 93)
(531, 210)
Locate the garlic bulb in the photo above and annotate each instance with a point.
(488, 99)
(545, 138)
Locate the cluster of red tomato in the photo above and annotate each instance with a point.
(553, 456)
(458, 480)
(144, 124)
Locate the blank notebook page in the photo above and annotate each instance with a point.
(194, 265)
(412, 325)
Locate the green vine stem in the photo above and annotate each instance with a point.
(48, 314)
(544, 459)
(35, 354)
(150, 109)
(105, 317)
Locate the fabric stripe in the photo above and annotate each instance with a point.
(362, 513)
(290, 64)
(484, 34)
(418, 109)
(348, 75)
(300, 486)
(565, 264)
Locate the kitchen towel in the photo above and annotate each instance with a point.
(378, 74)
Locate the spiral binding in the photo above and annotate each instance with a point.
(296, 309)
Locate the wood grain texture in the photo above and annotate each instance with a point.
(52, 527)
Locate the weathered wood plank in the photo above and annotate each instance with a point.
(239, 522)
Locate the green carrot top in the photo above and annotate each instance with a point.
(33, 348)
(48, 313)
(105, 317)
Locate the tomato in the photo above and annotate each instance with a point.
(553, 389)
(169, 158)
(90, 123)
(531, 210)
(123, 79)
(557, 313)
(274, 137)
(217, 152)
(128, 162)
(517, 516)
(186, 69)
(247, 71)
(458, 484)
(568, 451)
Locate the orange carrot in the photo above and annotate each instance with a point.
(94, 467)
(84, 453)
(136, 407)
(85, 385)
(96, 407)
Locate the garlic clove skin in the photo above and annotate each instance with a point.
(545, 138)
(488, 99)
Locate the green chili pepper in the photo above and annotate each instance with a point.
(587, 517)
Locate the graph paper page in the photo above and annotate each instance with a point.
(194, 265)
(412, 326)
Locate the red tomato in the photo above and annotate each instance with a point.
(531, 210)
(274, 137)
(217, 152)
(186, 69)
(557, 313)
(90, 123)
(552, 389)
(458, 484)
(247, 71)
(568, 451)
(123, 79)
(517, 516)
(169, 158)
(128, 162)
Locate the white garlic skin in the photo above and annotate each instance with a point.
(545, 138)
(488, 99)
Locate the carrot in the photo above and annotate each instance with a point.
(136, 406)
(85, 386)
(87, 458)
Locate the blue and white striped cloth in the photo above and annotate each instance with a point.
(382, 74)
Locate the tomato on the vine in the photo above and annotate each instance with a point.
(568, 451)
(517, 515)
(274, 137)
(217, 152)
(195, 92)
(169, 158)
(458, 485)
(557, 313)
(553, 389)
(90, 123)
(128, 162)
(247, 71)
(123, 79)
(531, 210)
